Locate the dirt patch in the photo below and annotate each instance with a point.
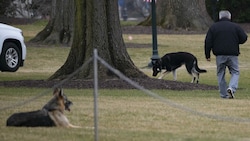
(148, 83)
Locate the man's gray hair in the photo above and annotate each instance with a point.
(224, 14)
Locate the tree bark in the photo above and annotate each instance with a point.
(184, 14)
(59, 29)
(98, 26)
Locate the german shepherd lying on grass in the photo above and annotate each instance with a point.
(172, 61)
(52, 114)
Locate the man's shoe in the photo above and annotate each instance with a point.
(230, 93)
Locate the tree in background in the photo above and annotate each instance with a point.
(4, 6)
(59, 29)
(97, 26)
(185, 14)
(42, 8)
(24, 8)
(240, 9)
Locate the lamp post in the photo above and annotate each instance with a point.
(155, 55)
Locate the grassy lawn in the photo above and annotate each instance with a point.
(131, 115)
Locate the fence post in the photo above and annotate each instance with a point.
(95, 95)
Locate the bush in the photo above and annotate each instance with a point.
(239, 8)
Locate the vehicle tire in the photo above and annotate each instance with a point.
(10, 58)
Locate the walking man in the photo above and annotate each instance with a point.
(223, 38)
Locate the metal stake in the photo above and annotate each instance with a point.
(95, 95)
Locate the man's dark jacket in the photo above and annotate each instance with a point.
(223, 38)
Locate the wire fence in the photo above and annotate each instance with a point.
(164, 100)
(43, 93)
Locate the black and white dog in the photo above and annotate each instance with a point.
(172, 61)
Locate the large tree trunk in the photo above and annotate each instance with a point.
(59, 29)
(185, 14)
(98, 26)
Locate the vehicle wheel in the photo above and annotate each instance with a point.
(10, 58)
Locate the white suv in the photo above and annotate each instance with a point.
(12, 48)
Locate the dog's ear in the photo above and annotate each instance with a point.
(159, 61)
(61, 93)
(58, 92)
(155, 62)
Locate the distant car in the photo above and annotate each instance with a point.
(12, 48)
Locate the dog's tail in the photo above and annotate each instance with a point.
(197, 68)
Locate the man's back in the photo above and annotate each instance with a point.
(224, 37)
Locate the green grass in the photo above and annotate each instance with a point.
(31, 30)
(131, 114)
